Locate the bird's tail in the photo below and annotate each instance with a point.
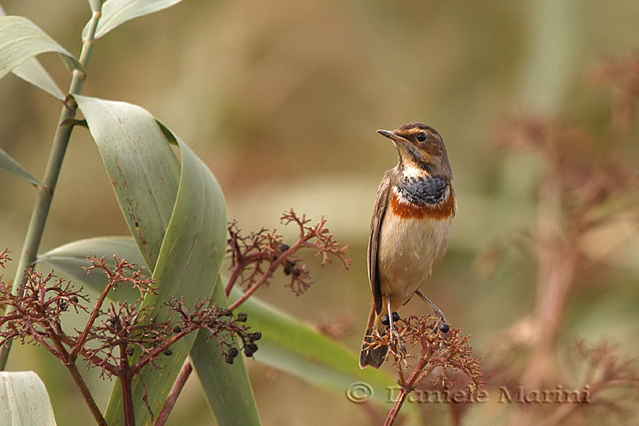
(372, 355)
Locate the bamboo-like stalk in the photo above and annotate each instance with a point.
(52, 172)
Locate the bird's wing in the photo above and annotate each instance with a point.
(373, 243)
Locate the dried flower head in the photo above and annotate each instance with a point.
(422, 341)
(35, 313)
(123, 272)
(117, 337)
(4, 257)
(419, 341)
(254, 258)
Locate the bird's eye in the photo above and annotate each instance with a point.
(422, 136)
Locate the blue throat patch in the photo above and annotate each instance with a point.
(426, 190)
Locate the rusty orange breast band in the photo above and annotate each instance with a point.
(407, 210)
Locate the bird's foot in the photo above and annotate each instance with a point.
(395, 341)
(394, 338)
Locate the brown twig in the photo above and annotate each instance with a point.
(185, 372)
(256, 257)
(86, 394)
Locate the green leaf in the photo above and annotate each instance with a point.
(24, 400)
(187, 267)
(195, 243)
(117, 12)
(33, 72)
(21, 40)
(176, 215)
(227, 388)
(141, 165)
(10, 165)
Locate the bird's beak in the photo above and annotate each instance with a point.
(393, 136)
(405, 149)
(388, 134)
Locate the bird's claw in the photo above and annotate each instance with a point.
(395, 341)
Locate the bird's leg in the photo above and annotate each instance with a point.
(444, 327)
(393, 334)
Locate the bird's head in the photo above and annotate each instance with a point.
(421, 150)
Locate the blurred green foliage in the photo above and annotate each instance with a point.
(282, 99)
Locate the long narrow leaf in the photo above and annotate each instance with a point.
(24, 400)
(21, 39)
(141, 165)
(10, 165)
(187, 267)
(117, 12)
(180, 231)
(33, 72)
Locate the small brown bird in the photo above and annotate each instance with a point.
(410, 230)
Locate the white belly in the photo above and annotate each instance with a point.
(408, 251)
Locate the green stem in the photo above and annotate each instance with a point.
(51, 174)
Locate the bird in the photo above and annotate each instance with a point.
(410, 231)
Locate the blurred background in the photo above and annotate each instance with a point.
(534, 99)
